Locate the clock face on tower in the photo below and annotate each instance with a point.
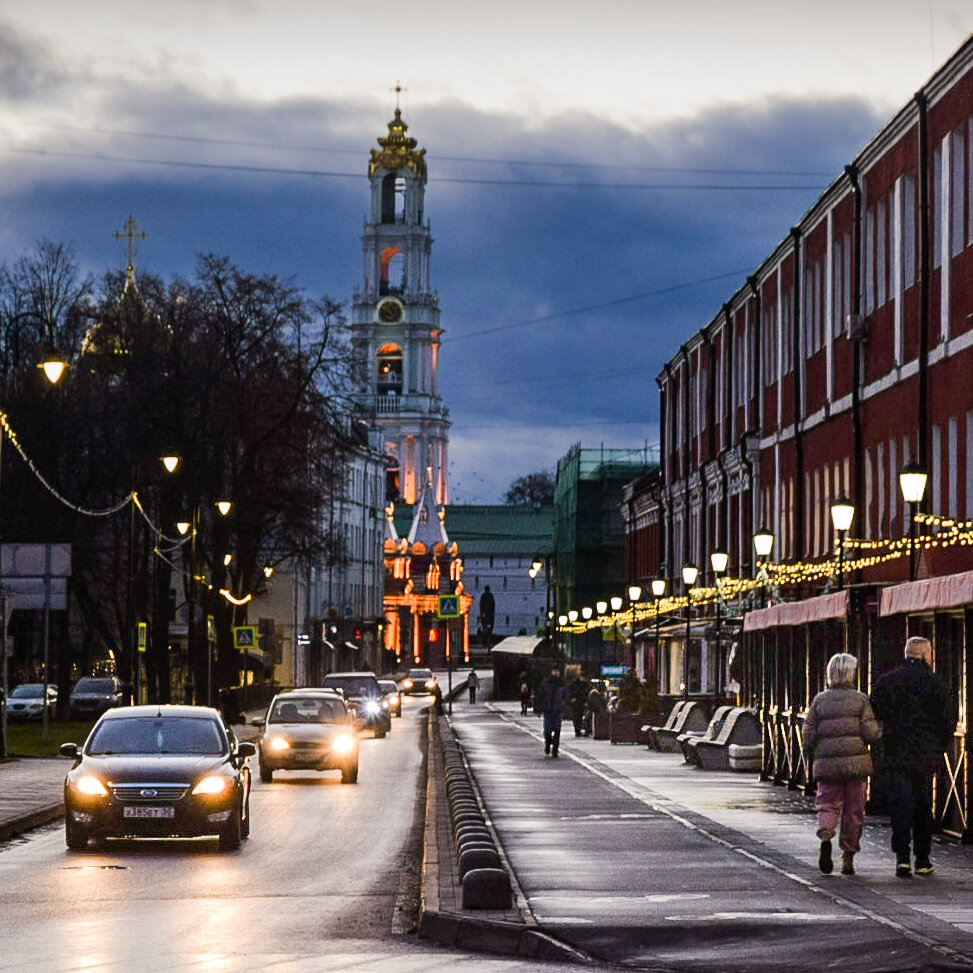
(389, 311)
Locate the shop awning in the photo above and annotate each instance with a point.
(930, 594)
(819, 609)
(517, 645)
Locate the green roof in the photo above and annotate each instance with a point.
(491, 528)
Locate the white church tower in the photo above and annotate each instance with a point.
(395, 320)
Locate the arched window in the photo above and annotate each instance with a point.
(389, 378)
(393, 198)
(393, 271)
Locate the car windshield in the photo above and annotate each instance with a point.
(29, 690)
(94, 686)
(387, 686)
(307, 709)
(353, 685)
(152, 735)
(417, 674)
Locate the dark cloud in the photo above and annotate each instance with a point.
(504, 254)
(27, 69)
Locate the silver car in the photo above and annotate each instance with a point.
(27, 701)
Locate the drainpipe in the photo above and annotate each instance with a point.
(799, 499)
(758, 420)
(747, 460)
(686, 441)
(924, 275)
(669, 553)
(856, 306)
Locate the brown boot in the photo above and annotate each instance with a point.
(848, 863)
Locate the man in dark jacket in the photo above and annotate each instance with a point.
(551, 703)
(917, 714)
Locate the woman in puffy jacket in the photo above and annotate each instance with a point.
(839, 728)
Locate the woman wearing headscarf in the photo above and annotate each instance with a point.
(839, 729)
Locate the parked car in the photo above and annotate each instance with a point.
(93, 695)
(27, 701)
(309, 729)
(158, 772)
(419, 682)
(390, 692)
(363, 698)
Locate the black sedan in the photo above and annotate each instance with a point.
(158, 772)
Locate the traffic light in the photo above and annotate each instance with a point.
(433, 635)
(358, 634)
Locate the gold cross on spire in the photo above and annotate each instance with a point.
(398, 89)
(130, 232)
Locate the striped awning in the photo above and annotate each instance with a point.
(819, 609)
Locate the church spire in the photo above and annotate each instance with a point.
(131, 232)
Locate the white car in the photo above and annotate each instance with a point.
(27, 701)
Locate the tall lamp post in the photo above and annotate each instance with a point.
(634, 592)
(763, 545)
(842, 514)
(719, 559)
(658, 591)
(912, 483)
(543, 560)
(689, 575)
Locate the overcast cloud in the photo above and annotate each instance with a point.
(526, 371)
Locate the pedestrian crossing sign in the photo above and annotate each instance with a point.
(448, 606)
(143, 639)
(244, 637)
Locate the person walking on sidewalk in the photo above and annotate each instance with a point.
(472, 684)
(524, 694)
(918, 717)
(839, 728)
(551, 702)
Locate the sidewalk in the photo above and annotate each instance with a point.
(636, 858)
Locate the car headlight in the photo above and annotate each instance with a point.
(406, 683)
(372, 708)
(343, 744)
(279, 743)
(91, 785)
(430, 684)
(211, 785)
(385, 704)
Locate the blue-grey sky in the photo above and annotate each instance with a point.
(602, 176)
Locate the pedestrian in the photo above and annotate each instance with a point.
(551, 703)
(524, 694)
(839, 728)
(578, 705)
(472, 684)
(918, 717)
(437, 700)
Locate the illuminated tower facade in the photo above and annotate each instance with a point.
(395, 321)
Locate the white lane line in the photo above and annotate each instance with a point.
(838, 899)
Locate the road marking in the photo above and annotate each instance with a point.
(660, 806)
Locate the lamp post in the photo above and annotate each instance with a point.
(658, 591)
(912, 483)
(543, 560)
(689, 575)
(634, 592)
(842, 514)
(763, 545)
(719, 559)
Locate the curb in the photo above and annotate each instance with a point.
(32, 819)
(458, 929)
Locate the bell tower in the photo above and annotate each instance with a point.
(395, 320)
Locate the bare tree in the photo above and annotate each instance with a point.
(535, 489)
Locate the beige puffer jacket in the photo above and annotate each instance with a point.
(839, 727)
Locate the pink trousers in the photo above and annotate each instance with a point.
(841, 803)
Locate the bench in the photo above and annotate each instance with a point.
(691, 717)
(653, 740)
(711, 732)
(740, 727)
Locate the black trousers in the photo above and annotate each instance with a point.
(910, 809)
(552, 733)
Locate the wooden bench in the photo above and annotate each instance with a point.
(711, 732)
(653, 740)
(740, 726)
(691, 717)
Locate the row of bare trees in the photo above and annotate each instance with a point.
(240, 375)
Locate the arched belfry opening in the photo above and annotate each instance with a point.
(393, 198)
(393, 271)
(389, 378)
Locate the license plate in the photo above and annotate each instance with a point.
(309, 758)
(148, 812)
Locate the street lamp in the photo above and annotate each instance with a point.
(719, 559)
(658, 591)
(912, 483)
(689, 575)
(171, 462)
(842, 514)
(763, 544)
(53, 368)
(634, 592)
(543, 560)
(224, 507)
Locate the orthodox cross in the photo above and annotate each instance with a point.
(130, 232)
(398, 89)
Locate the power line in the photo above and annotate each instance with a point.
(457, 180)
(545, 163)
(595, 307)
